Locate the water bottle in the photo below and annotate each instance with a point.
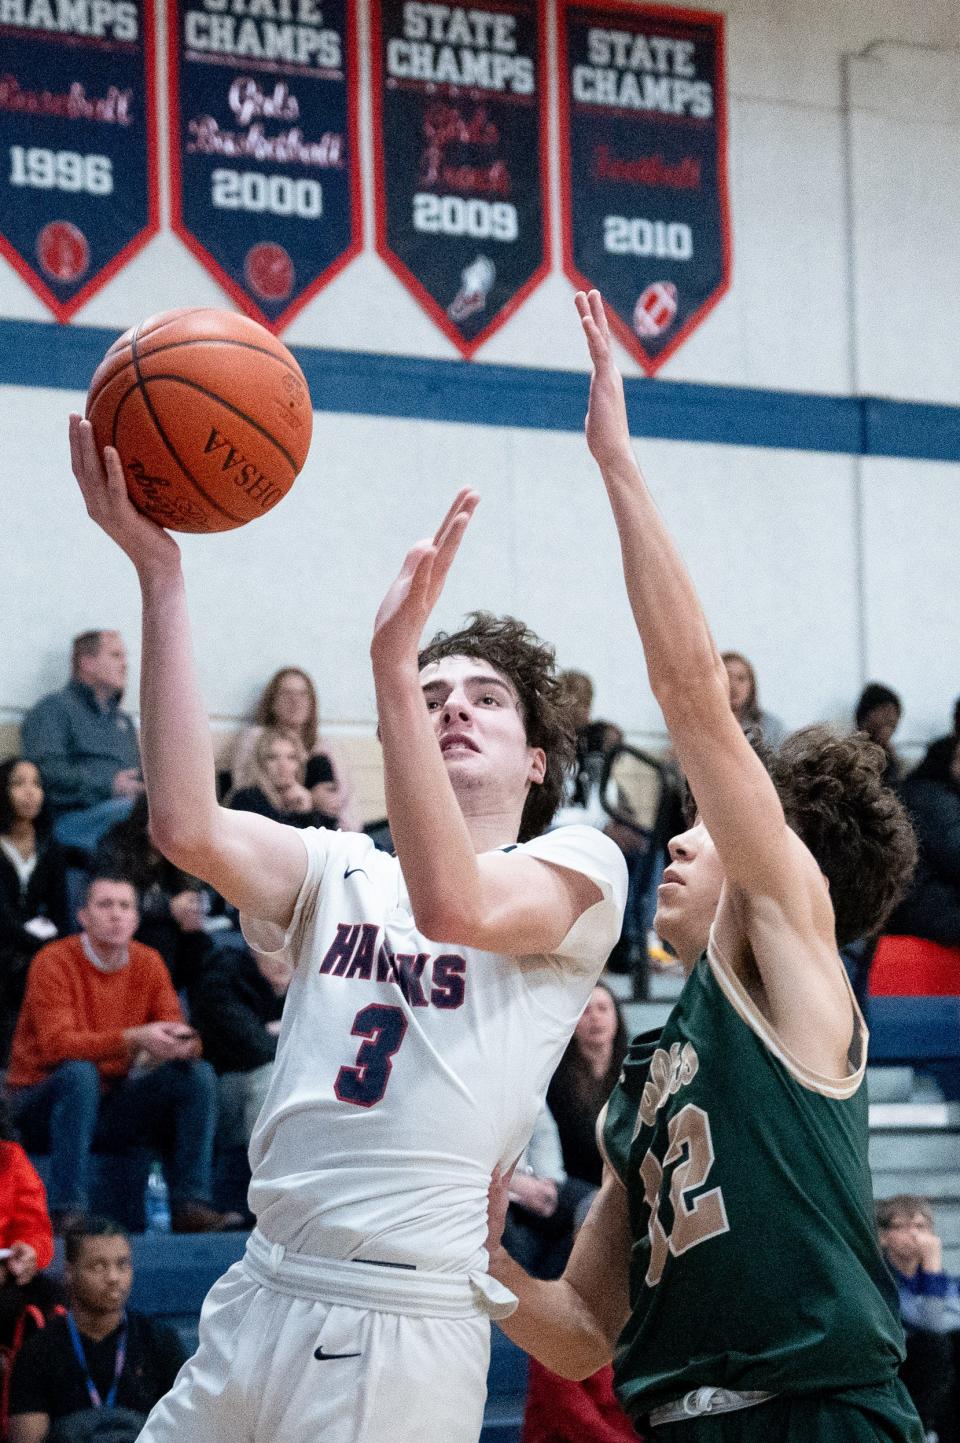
(157, 1201)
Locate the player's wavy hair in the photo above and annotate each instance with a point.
(530, 664)
(834, 798)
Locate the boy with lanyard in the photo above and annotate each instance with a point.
(730, 1261)
(97, 1355)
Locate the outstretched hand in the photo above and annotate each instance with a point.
(405, 609)
(608, 434)
(105, 494)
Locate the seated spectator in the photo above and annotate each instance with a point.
(102, 1058)
(26, 1242)
(85, 746)
(582, 803)
(559, 1410)
(278, 789)
(878, 713)
(174, 909)
(595, 740)
(289, 704)
(100, 1357)
(939, 754)
(236, 1005)
(33, 886)
(931, 908)
(745, 701)
(929, 1305)
(584, 1080)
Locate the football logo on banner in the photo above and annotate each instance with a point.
(461, 187)
(643, 166)
(78, 188)
(264, 160)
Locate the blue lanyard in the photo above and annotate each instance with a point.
(95, 1400)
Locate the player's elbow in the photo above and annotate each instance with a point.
(446, 920)
(582, 1361)
(183, 840)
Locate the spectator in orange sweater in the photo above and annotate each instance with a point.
(102, 1058)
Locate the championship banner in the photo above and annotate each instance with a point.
(78, 183)
(264, 155)
(643, 155)
(461, 187)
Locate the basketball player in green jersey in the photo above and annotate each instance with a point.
(730, 1264)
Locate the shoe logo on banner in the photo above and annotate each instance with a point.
(476, 281)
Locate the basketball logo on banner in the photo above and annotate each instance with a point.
(78, 190)
(643, 166)
(264, 164)
(461, 186)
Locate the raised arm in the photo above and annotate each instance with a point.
(571, 1325)
(762, 858)
(499, 902)
(227, 849)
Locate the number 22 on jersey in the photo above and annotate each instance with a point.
(690, 1147)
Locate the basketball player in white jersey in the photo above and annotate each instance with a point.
(433, 995)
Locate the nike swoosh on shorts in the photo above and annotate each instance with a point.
(323, 1357)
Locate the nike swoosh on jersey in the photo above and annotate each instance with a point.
(350, 871)
(323, 1357)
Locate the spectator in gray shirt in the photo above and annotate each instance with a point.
(85, 745)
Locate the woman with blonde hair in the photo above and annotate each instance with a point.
(277, 786)
(289, 703)
(746, 703)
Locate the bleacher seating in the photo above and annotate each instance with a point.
(921, 1032)
(117, 1185)
(914, 967)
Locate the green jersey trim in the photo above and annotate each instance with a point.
(740, 999)
(602, 1146)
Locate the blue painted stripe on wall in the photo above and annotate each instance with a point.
(35, 353)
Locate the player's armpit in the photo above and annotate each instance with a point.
(257, 864)
(521, 905)
(571, 1325)
(805, 994)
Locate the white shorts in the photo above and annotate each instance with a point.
(298, 1350)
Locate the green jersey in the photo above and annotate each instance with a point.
(754, 1263)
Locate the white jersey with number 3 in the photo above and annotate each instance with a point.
(407, 1068)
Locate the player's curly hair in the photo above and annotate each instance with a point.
(530, 664)
(834, 798)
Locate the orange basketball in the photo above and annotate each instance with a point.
(210, 414)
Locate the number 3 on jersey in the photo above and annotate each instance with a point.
(694, 1222)
(384, 1029)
